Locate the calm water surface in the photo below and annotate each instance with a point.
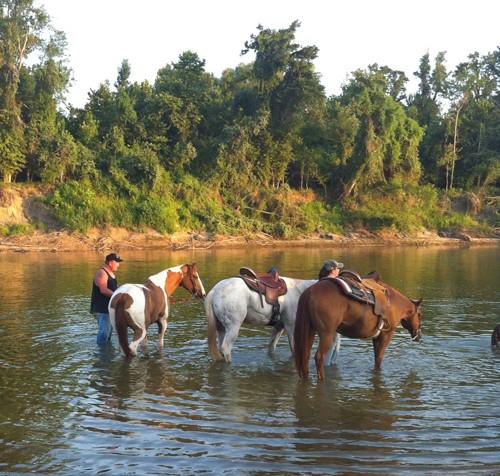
(69, 408)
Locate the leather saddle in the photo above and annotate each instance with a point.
(269, 286)
(366, 289)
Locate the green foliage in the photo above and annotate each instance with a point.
(260, 149)
(74, 205)
(452, 221)
(319, 216)
(12, 158)
(385, 143)
(16, 229)
(281, 230)
(159, 213)
(397, 206)
(140, 165)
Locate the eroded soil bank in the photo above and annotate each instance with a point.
(120, 239)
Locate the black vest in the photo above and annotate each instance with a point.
(99, 302)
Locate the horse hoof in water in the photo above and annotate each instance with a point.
(495, 336)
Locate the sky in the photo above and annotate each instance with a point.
(351, 34)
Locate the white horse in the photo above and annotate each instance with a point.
(139, 305)
(230, 303)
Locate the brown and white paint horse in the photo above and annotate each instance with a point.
(139, 305)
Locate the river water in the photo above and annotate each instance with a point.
(70, 408)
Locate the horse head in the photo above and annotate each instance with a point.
(191, 280)
(411, 321)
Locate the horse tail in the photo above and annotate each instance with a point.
(303, 336)
(212, 328)
(120, 303)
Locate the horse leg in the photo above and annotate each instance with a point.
(139, 335)
(221, 334)
(379, 346)
(325, 343)
(334, 351)
(277, 332)
(289, 332)
(227, 343)
(162, 328)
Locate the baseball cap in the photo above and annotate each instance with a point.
(113, 257)
(332, 264)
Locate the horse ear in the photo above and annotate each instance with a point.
(417, 302)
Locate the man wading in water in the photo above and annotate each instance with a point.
(104, 284)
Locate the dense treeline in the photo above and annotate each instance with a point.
(261, 148)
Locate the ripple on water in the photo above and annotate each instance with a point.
(70, 408)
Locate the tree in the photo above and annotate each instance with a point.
(475, 109)
(386, 140)
(21, 28)
(29, 95)
(11, 150)
(122, 80)
(285, 74)
(425, 108)
(183, 97)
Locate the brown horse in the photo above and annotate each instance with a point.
(324, 309)
(139, 305)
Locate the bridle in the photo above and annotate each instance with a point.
(191, 279)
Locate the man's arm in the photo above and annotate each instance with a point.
(101, 281)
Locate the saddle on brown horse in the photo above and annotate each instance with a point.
(366, 289)
(269, 286)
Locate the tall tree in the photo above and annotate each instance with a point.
(285, 74)
(386, 140)
(28, 94)
(476, 109)
(425, 108)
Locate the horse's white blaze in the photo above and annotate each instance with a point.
(201, 286)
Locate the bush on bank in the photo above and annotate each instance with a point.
(189, 205)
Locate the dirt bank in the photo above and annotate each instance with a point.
(121, 239)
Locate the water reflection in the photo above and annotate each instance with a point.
(70, 408)
(121, 379)
(357, 427)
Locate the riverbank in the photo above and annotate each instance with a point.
(31, 227)
(119, 239)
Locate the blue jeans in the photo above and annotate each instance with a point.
(105, 328)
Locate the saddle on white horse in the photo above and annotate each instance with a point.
(269, 286)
